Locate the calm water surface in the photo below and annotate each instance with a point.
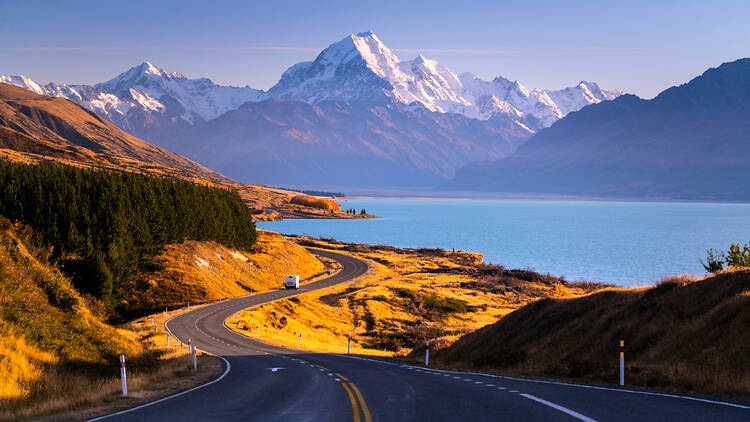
(625, 243)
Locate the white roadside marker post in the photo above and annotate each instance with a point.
(195, 360)
(622, 362)
(348, 345)
(427, 355)
(152, 320)
(299, 341)
(190, 345)
(166, 311)
(167, 338)
(188, 305)
(123, 377)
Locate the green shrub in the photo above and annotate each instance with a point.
(738, 256)
(714, 261)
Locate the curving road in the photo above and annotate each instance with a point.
(263, 382)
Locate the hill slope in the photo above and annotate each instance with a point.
(47, 328)
(682, 334)
(691, 141)
(35, 124)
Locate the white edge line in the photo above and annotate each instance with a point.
(558, 407)
(132, 409)
(567, 384)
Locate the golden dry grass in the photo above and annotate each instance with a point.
(160, 371)
(379, 320)
(204, 271)
(684, 334)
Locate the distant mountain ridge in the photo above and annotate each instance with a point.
(360, 69)
(359, 75)
(690, 142)
(148, 96)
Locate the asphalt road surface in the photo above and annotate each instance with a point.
(262, 382)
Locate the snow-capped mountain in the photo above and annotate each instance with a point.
(356, 109)
(546, 105)
(156, 90)
(147, 92)
(360, 69)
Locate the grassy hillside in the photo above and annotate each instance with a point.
(408, 296)
(204, 271)
(55, 127)
(683, 334)
(50, 335)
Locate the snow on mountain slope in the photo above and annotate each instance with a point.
(153, 88)
(150, 91)
(23, 82)
(360, 69)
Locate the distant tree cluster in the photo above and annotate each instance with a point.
(311, 201)
(104, 225)
(738, 256)
(354, 211)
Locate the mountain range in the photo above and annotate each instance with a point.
(690, 142)
(357, 111)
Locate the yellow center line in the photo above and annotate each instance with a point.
(365, 410)
(322, 367)
(355, 411)
(341, 376)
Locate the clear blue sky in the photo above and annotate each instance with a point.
(640, 47)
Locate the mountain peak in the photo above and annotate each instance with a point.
(23, 81)
(150, 68)
(420, 59)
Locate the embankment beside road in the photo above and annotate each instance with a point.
(205, 271)
(687, 335)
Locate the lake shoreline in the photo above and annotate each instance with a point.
(622, 243)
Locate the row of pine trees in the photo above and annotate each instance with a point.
(102, 226)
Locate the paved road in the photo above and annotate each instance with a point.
(268, 383)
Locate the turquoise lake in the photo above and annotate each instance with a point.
(624, 243)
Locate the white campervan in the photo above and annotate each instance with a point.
(291, 282)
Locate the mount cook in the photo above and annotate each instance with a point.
(356, 110)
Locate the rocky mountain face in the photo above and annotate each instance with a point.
(390, 122)
(690, 142)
